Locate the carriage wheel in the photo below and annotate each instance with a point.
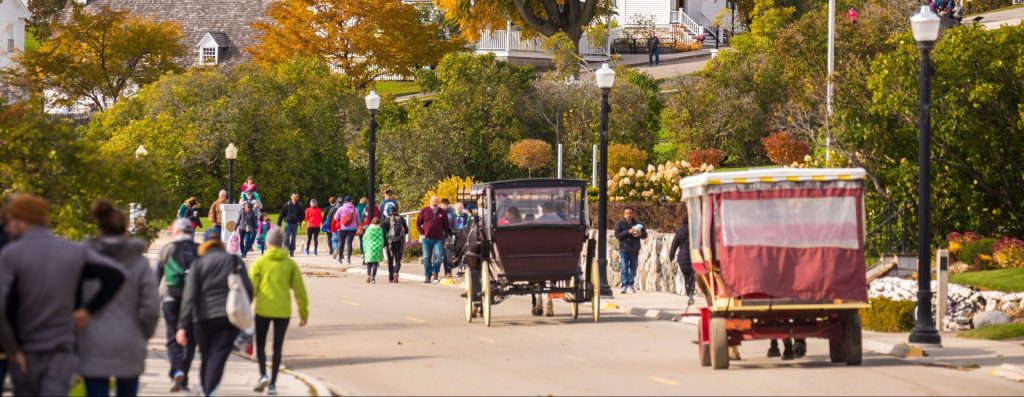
(574, 284)
(719, 348)
(595, 299)
(469, 300)
(485, 283)
(836, 350)
(703, 347)
(852, 338)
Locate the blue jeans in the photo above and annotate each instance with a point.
(654, 56)
(628, 265)
(432, 251)
(291, 230)
(126, 387)
(247, 239)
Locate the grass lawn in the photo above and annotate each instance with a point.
(1006, 280)
(996, 332)
(397, 88)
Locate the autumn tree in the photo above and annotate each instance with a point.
(364, 39)
(99, 57)
(545, 17)
(624, 155)
(531, 154)
(45, 14)
(784, 149)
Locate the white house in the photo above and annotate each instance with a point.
(13, 16)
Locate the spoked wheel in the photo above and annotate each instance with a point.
(852, 338)
(485, 283)
(595, 282)
(469, 300)
(574, 284)
(719, 348)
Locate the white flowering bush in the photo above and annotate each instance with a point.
(648, 185)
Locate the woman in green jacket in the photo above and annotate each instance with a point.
(273, 277)
(373, 243)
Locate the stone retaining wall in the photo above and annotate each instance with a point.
(656, 272)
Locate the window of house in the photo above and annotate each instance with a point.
(10, 38)
(208, 56)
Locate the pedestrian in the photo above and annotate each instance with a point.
(363, 221)
(629, 232)
(172, 264)
(347, 225)
(185, 206)
(215, 213)
(852, 16)
(395, 230)
(325, 224)
(42, 275)
(248, 186)
(447, 245)
(203, 309)
(653, 50)
(432, 224)
(273, 275)
(247, 227)
(680, 249)
(333, 226)
(251, 197)
(374, 244)
(389, 202)
(314, 218)
(263, 228)
(292, 214)
(113, 344)
(8, 342)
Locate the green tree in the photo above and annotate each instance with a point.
(99, 57)
(45, 14)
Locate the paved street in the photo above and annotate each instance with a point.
(412, 338)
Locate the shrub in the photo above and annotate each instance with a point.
(650, 186)
(413, 249)
(710, 157)
(1008, 252)
(624, 155)
(886, 315)
(978, 252)
(531, 154)
(665, 218)
(956, 242)
(447, 188)
(784, 149)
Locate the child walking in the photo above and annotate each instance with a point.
(373, 243)
(261, 232)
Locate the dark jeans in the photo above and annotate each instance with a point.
(371, 268)
(345, 238)
(247, 239)
(262, 328)
(628, 267)
(395, 258)
(216, 337)
(126, 387)
(49, 374)
(3, 372)
(653, 56)
(180, 357)
(313, 235)
(688, 279)
(291, 231)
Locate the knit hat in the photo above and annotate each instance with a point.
(347, 199)
(275, 237)
(183, 225)
(211, 234)
(28, 208)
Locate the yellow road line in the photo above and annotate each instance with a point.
(488, 340)
(663, 381)
(414, 319)
(350, 303)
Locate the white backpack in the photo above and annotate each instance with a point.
(239, 304)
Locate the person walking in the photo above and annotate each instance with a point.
(292, 214)
(185, 206)
(432, 223)
(333, 226)
(325, 224)
(8, 342)
(653, 50)
(395, 230)
(262, 229)
(215, 213)
(113, 344)
(629, 232)
(248, 186)
(680, 249)
(388, 202)
(251, 197)
(374, 245)
(314, 218)
(247, 227)
(42, 275)
(347, 223)
(172, 264)
(273, 275)
(203, 309)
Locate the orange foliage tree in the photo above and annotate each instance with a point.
(624, 155)
(364, 39)
(530, 154)
(783, 148)
(546, 17)
(711, 157)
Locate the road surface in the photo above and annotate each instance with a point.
(412, 339)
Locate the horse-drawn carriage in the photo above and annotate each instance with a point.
(780, 254)
(529, 240)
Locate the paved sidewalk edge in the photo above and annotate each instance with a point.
(316, 386)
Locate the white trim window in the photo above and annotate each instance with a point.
(209, 55)
(10, 38)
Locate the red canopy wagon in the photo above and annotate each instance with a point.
(780, 254)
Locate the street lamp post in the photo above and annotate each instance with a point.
(372, 104)
(605, 78)
(925, 25)
(231, 153)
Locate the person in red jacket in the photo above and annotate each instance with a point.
(434, 228)
(314, 219)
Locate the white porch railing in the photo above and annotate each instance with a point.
(510, 41)
(680, 17)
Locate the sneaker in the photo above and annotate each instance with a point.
(631, 289)
(334, 255)
(448, 275)
(272, 390)
(373, 280)
(368, 280)
(689, 302)
(624, 290)
(314, 253)
(436, 279)
(178, 381)
(262, 383)
(427, 280)
(307, 252)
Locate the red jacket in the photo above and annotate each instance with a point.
(314, 217)
(433, 224)
(367, 218)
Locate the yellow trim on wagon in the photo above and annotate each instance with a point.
(730, 305)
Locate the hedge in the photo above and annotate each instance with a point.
(886, 315)
(664, 218)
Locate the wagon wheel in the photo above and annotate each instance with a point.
(852, 337)
(595, 282)
(469, 300)
(703, 347)
(836, 352)
(719, 348)
(574, 303)
(485, 283)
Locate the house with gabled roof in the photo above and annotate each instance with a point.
(13, 16)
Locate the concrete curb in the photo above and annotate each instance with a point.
(684, 57)
(316, 386)
(1010, 371)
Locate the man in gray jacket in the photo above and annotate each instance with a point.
(42, 274)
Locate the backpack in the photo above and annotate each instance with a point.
(347, 218)
(182, 254)
(395, 233)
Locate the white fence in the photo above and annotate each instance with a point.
(511, 41)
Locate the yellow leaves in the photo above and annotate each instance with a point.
(530, 154)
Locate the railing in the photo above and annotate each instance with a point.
(680, 17)
(887, 233)
(512, 41)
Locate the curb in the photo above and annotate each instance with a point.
(316, 386)
(1010, 372)
(687, 56)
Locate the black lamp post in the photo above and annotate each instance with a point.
(605, 78)
(231, 153)
(372, 104)
(925, 25)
